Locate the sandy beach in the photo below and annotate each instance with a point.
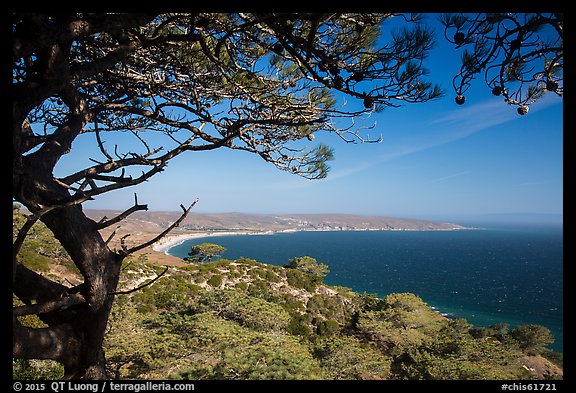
(157, 253)
(169, 241)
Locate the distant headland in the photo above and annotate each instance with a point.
(143, 226)
(152, 220)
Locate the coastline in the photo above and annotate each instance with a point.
(169, 241)
(165, 244)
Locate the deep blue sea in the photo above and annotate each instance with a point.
(499, 273)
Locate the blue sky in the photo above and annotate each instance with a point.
(437, 160)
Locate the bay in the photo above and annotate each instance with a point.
(498, 274)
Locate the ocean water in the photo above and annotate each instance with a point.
(499, 273)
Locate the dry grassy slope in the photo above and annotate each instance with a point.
(153, 222)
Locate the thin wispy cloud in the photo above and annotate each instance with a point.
(449, 127)
(476, 117)
(347, 172)
(441, 179)
(483, 115)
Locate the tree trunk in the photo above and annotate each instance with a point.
(74, 335)
(76, 324)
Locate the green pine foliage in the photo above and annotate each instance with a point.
(205, 252)
(24, 369)
(309, 265)
(248, 311)
(347, 357)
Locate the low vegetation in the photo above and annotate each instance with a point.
(242, 319)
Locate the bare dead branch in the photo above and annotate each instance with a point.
(142, 140)
(126, 182)
(141, 286)
(22, 233)
(123, 244)
(49, 306)
(99, 140)
(111, 236)
(68, 186)
(30, 221)
(160, 236)
(92, 184)
(96, 161)
(115, 179)
(122, 215)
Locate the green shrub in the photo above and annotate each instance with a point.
(265, 274)
(230, 351)
(292, 304)
(248, 262)
(173, 292)
(302, 280)
(326, 306)
(345, 357)
(215, 281)
(241, 285)
(308, 265)
(24, 369)
(249, 311)
(300, 325)
(327, 327)
(200, 279)
(532, 338)
(259, 288)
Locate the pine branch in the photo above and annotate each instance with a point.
(127, 251)
(141, 286)
(49, 306)
(123, 215)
